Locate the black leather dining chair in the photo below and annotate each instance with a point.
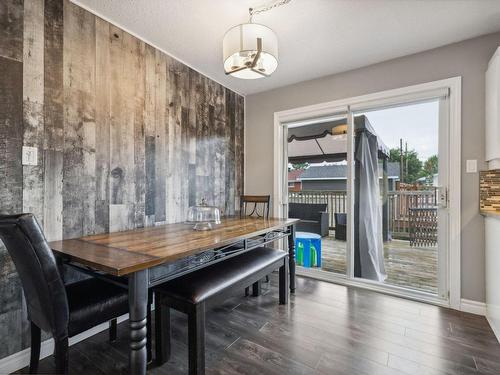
(62, 310)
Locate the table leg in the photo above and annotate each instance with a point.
(291, 256)
(138, 302)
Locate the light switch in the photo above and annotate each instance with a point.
(471, 166)
(30, 155)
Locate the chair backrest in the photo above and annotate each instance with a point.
(306, 211)
(37, 268)
(340, 218)
(259, 205)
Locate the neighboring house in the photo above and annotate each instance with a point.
(426, 180)
(294, 183)
(333, 177)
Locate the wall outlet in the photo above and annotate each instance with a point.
(471, 166)
(30, 155)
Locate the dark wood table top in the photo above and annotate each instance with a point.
(125, 252)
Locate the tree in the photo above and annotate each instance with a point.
(411, 159)
(430, 166)
(296, 166)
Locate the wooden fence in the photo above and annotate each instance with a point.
(399, 202)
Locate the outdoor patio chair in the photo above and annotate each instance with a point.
(340, 226)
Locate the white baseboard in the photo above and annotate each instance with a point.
(493, 316)
(21, 359)
(473, 307)
(494, 327)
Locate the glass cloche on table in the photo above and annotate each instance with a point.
(203, 216)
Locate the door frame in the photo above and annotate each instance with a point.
(400, 95)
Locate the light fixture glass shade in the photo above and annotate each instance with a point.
(250, 51)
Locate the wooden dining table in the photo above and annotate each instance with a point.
(143, 258)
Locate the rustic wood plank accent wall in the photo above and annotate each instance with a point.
(127, 136)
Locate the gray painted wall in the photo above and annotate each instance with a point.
(127, 136)
(467, 59)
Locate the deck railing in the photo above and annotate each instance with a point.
(399, 202)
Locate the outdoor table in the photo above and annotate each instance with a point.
(308, 249)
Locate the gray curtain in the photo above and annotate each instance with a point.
(371, 245)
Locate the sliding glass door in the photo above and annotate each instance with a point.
(369, 182)
(316, 165)
(400, 186)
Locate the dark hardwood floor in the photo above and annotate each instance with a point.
(326, 329)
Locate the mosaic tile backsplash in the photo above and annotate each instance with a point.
(489, 191)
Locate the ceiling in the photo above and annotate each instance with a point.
(316, 37)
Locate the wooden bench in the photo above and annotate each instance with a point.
(195, 292)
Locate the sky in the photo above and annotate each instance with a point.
(417, 124)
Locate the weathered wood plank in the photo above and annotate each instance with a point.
(185, 92)
(184, 164)
(33, 51)
(33, 175)
(79, 193)
(53, 75)
(53, 177)
(118, 217)
(239, 147)
(150, 134)
(138, 68)
(102, 123)
(10, 327)
(11, 29)
(220, 146)
(173, 103)
(212, 171)
(161, 129)
(11, 181)
(177, 93)
(53, 118)
(33, 95)
(150, 152)
(119, 136)
(123, 53)
(191, 137)
(222, 155)
(11, 135)
(202, 140)
(194, 103)
(193, 89)
(210, 142)
(230, 152)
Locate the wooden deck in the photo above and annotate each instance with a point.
(411, 267)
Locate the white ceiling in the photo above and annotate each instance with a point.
(316, 37)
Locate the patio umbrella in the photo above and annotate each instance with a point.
(321, 142)
(317, 143)
(369, 252)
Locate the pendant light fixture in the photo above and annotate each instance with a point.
(250, 49)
